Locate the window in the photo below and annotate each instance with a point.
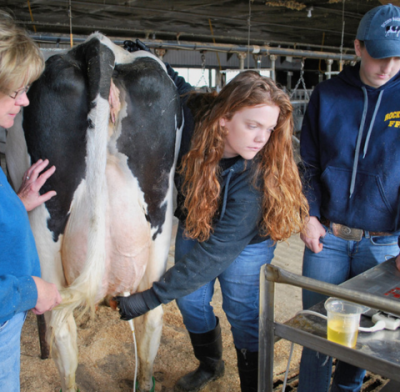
(196, 77)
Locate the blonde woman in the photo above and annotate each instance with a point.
(240, 192)
(21, 287)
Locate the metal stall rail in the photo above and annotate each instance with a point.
(307, 332)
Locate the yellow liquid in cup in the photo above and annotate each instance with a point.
(338, 333)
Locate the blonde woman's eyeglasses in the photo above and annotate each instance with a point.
(18, 93)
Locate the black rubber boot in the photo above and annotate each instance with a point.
(248, 370)
(208, 350)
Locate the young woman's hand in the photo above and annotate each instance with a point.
(132, 306)
(314, 231)
(32, 182)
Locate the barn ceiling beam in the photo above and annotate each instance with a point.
(226, 48)
(220, 38)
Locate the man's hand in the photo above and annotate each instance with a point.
(48, 296)
(398, 262)
(33, 182)
(314, 231)
(132, 46)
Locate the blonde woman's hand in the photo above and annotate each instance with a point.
(314, 231)
(32, 182)
(48, 296)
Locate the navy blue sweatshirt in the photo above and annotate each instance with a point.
(350, 146)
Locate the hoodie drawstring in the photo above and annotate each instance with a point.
(226, 193)
(378, 103)
(360, 134)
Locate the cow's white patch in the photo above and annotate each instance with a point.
(122, 56)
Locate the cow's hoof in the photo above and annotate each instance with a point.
(151, 390)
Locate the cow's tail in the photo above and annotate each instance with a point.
(84, 291)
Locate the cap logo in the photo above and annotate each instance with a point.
(392, 30)
(395, 19)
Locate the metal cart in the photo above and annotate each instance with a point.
(378, 352)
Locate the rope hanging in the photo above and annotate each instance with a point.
(301, 80)
(212, 35)
(31, 14)
(71, 37)
(341, 44)
(203, 70)
(248, 35)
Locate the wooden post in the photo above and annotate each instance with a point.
(44, 347)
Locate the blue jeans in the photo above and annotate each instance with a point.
(339, 261)
(10, 352)
(240, 284)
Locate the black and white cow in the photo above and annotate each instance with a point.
(110, 121)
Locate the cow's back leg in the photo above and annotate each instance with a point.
(148, 138)
(62, 337)
(149, 327)
(64, 349)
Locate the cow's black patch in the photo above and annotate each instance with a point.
(56, 121)
(148, 132)
(55, 126)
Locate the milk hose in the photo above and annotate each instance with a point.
(127, 294)
(135, 383)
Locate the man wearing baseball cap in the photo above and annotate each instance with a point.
(350, 143)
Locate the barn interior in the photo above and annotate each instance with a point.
(297, 43)
(208, 34)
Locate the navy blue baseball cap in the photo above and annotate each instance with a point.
(380, 31)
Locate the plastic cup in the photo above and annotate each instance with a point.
(343, 321)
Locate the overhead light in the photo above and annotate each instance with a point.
(309, 10)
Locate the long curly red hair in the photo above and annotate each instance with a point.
(284, 207)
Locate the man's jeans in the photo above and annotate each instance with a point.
(10, 353)
(240, 292)
(339, 261)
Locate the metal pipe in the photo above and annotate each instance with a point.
(329, 68)
(183, 34)
(289, 80)
(266, 333)
(278, 275)
(228, 48)
(241, 56)
(299, 102)
(273, 58)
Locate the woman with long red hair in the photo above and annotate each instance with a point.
(239, 192)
